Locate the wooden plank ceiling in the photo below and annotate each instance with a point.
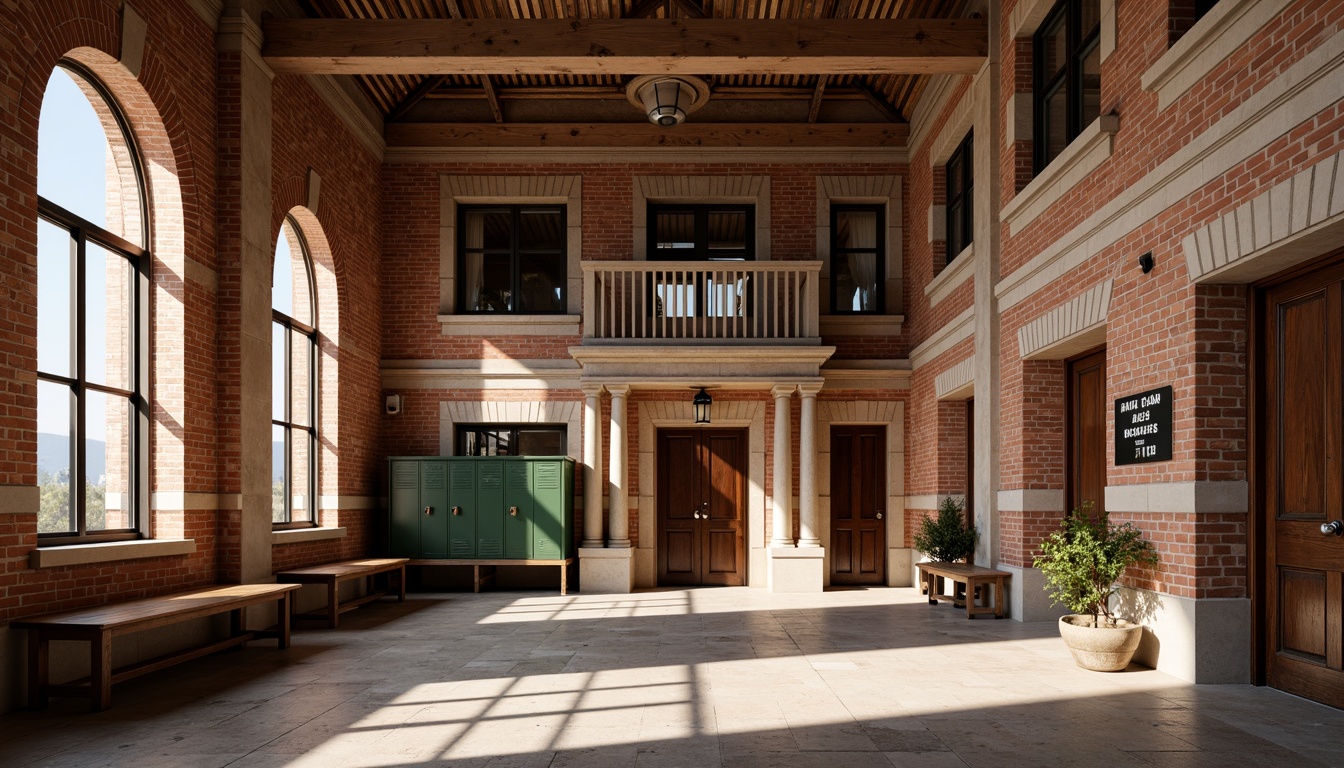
(522, 98)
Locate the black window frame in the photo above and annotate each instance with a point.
(82, 232)
(288, 424)
(701, 212)
(462, 430)
(879, 248)
(514, 255)
(1078, 44)
(960, 164)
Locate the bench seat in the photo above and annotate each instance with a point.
(984, 586)
(97, 626)
(331, 575)
(479, 579)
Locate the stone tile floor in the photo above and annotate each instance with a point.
(709, 677)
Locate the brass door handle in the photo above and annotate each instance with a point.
(429, 510)
(457, 510)
(513, 511)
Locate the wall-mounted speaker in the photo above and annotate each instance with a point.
(392, 406)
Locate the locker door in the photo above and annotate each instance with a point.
(490, 510)
(462, 499)
(518, 519)
(548, 491)
(404, 536)
(434, 510)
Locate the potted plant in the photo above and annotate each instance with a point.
(1082, 562)
(946, 538)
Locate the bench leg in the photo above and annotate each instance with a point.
(282, 609)
(100, 672)
(333, 603)
(401, 583)
(564, 579)
(39, 669)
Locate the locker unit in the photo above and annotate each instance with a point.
(481, 507)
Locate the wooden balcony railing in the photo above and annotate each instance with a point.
(713, 302)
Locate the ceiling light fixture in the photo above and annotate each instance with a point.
(667, 100)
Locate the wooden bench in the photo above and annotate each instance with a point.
(984, 586)
(97, 627)
(332, 574)
(479, 579)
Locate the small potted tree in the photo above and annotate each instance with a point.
(1081, 562)
(947, 539)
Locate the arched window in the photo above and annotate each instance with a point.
(293, 382)
(92, 317)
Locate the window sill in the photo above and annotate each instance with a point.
(509, 325)
(861, 325)
(300, 535)
(958, 271)
(108, 552)
(1078, 160)
(1223, 30)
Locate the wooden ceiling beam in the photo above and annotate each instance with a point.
(493, 98)
(878, 100)
(801, 135)
(624, 46)
(645, 9)
(416, 96)
(814, 108)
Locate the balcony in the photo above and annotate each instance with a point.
(725, 303)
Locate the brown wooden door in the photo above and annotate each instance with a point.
(1303, 470)
(858, 504)
(702, 506)
(1087, 431)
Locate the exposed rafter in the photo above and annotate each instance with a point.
(818, 92)
(416, 96)
(645, 135)
(878, 100)
(623, 46)
(493, 98)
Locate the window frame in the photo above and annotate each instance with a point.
(879, 249)
(291, 325)
(515, 255)
(961, 161)
(1078, 44)
(82, 232)
(461, 431)
(701, 213)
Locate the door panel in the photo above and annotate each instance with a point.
(490, 510)
(858, 505)
(702, 507)
(520, 510)
(434, 498)
(1302, 420)
(404, 537)
(548, 492)
(1087, 431)
(462, 512)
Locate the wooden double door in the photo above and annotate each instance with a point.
(1300, 496)
(858, 505)
(702, 507)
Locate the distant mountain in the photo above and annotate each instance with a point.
(53, 453)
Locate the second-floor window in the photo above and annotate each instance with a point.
(857, 258)
(511, 258)
(510, 440)
(959, 200)
(1068, 76)
(702, 232)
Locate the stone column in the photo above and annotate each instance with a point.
(781, 489)
(618, 526)
(808, 535)
(592, 465)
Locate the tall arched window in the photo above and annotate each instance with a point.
(92, 317)
(293, 382)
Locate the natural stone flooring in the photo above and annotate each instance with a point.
(709, 677)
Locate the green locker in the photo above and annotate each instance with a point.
(481, 507)
(462, 525)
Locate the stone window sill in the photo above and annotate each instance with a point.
(299, 535)
(1222, 30)
(958, 271)
(108, 552)
(1078, 160)
(861, 325)
(510, 325)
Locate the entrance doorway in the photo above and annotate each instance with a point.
(1086, 425)
(1301, 484)
(702, 507)
(858, 505)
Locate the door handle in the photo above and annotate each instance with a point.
(1333, 528)
(513, 511)
(457, 510)
(879, 515)
(429, 510)
(696, 515)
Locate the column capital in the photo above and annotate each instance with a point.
(810, 389)
(618, 390)
(783, 390)
(592, 390)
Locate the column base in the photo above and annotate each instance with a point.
(901, 567)
(1027, 598)
(604, 571)
(794, 569)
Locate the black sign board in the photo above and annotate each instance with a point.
(1143, 427)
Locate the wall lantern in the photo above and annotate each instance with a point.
(701, 403)
(667, 100)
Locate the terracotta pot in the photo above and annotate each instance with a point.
(1101, 649)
